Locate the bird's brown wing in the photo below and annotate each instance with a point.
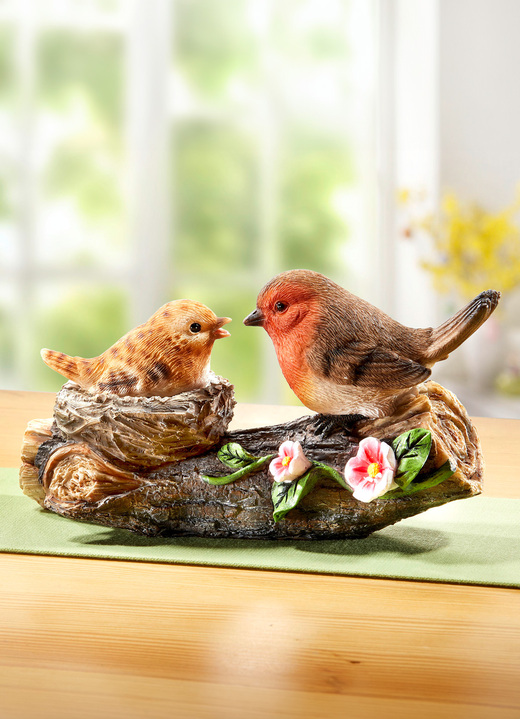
(387, 369)
(359, 365)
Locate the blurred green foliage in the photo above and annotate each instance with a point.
(214, 44)
(85, 68)
(88, 63)
(7, 98)
(215, 170)
(309, 32)
(7, 342)
(6, 205)
(84, 175)
(7, 71)
(82, 321)
(311, 233)
(218, 187)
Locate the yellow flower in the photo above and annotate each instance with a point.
(403, 196)
(475, 250)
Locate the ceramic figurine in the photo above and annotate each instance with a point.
(140, 440)
(343, 356)
(167, 355)
(83, 464)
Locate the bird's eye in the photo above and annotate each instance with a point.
(281, 306)
(195, 327)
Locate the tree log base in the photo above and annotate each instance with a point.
(98, 463)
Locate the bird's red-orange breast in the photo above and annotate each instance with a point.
(292, 337)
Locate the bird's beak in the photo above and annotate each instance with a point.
(255, 319)
(220, 332)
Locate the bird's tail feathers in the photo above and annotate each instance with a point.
(452, 333)
(64, 364)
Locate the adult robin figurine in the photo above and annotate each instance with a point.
(344, 357)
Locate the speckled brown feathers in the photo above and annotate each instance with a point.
(168, 354)
(342, 355)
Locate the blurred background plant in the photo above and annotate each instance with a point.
(472, 249)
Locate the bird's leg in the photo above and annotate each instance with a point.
(327, 424)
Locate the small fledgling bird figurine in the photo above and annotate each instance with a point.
(168, 354)
(343, 356)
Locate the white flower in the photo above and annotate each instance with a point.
(290, 464)
(371, 472)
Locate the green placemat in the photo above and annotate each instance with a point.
(473, 541)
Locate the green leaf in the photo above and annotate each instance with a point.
(235, 456)
(286, 495)
(243, 472)
(414, 440)
(411, 452)
(327, 471)
(431, 480)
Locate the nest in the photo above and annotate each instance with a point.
(145, 432)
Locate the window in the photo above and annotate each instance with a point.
(180, 148)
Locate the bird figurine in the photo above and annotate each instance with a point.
(168, 354)
(345, 358)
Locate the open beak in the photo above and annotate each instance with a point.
(255, 319)
(220, 332)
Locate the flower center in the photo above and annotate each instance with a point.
(374, 469)
(286, 461)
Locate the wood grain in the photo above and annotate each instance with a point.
(16, 409)
(500, 440)
(133, 640)
(84, 637)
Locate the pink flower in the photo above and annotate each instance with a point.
(290, 464)
(371, 472)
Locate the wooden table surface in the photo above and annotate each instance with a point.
(96, 638)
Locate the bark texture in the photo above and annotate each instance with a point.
(137, 463)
